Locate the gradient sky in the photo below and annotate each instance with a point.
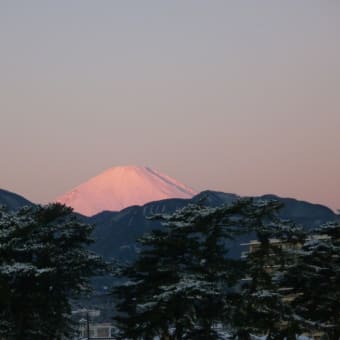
(238, 96)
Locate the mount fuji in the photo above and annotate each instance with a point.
(121, 187)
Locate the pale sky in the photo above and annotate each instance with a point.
(237, 96)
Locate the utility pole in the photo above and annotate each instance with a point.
(88, 325)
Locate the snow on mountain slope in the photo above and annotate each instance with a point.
(121, 187)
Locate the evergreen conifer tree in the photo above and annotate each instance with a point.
(259, 304)
(314, 282)
(181, 284)
(43, 263)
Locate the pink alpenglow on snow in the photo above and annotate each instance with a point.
(121, 187)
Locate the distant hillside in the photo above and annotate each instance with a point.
(305, 213)
(116, 232)
(12, 201)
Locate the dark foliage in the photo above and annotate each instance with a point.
(184, 285)
(43, 263)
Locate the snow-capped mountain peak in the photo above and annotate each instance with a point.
(123, 186)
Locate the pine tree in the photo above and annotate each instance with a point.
(314, 281)
(142, 315)
(43, 263)
(181, 285)
(259, 304)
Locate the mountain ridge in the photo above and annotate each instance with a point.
(116, 233)
(13, 201)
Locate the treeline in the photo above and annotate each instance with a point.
(183, 285)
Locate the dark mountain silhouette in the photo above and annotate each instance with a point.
(13, 201)
(116, 232)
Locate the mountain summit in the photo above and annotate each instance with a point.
(121, 187)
